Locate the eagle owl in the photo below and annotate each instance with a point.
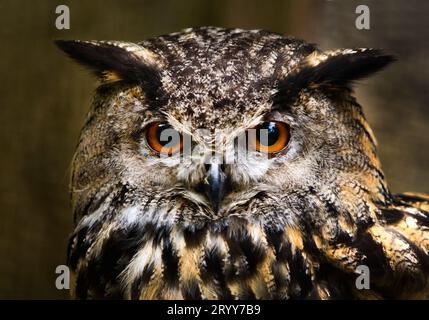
(232, 164)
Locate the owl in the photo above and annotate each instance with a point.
(232, 164)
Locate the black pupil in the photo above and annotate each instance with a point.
(270, 129)
(170, 136)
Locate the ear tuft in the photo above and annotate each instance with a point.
(113, 60)
(337, 68)
(341, 67)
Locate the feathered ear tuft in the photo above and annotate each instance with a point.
(341, 67)
(337, 68)
(114, 60)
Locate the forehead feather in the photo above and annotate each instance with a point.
(215, 76)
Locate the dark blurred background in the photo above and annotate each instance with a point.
(44, 98)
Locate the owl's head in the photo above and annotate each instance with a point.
(224, 117)
(208, 125)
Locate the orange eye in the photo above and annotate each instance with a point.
(163, 138)
(271, 137)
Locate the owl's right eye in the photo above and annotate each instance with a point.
(270, 137)
(163, 139)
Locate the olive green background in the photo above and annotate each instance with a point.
(44, 98)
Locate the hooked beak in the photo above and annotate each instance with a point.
(214, 185)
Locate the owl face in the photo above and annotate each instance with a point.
(211, 137)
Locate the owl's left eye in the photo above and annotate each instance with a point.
(163, 138)
(270, 137)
